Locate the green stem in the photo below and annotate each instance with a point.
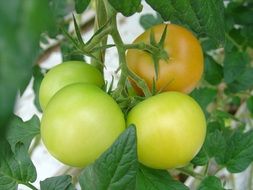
(142, 46)
(101, 14)
(250, 177)
(141, 83)
(103, 47)
(191, 173)
(97, 39)
(29, 185)
(206, 169)
(109, 10)
(100, 20)
(125, 72)
(237, 45)
(121, 51)
(155, 51)
(121, 47)
(34, 145)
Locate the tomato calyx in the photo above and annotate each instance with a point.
(159, 45)
(159, 52)
(92, 46)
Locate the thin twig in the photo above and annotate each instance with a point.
(191, 173)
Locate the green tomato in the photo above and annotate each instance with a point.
(79, 123)
(171, 129)
(64, 74)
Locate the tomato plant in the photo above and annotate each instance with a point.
(67, 73)
(71, 120)
(183, 68)
(172, 109)
(171, 129)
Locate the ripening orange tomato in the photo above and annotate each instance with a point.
(185, 65)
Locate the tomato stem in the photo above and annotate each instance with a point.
(206, 168)
(97, 38)
(121, 51)
(100, 20)
(154, 50)
(34, 145)
(28, 185)
(238, 46)
(142, 46)
(125, 72)
(112, 29)
(191, 173)
(141, 83)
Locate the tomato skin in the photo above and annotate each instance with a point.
(184, 67)
(171, 129)
(67, 73)
(80, 122)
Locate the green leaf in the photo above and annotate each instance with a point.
(206, 18)
(208, 44)
(224, 115)
(234, 65)
(126, 7)
(237, 36)
(15, 167)
(38, 77)
(241, 13)
(204, 96)
(201, 158)
(151, 179)
(116, 168)
(214, 145)
(211, 183)
(235, 101)
(57, 183)
(243, 82)
(213, 71)
(250, 104)
(60, 9)
(239, 151)
(149, 20)
(81, 5)
(247, 33)
(22, 132)
(19, 47)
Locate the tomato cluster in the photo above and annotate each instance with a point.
(80, 120)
